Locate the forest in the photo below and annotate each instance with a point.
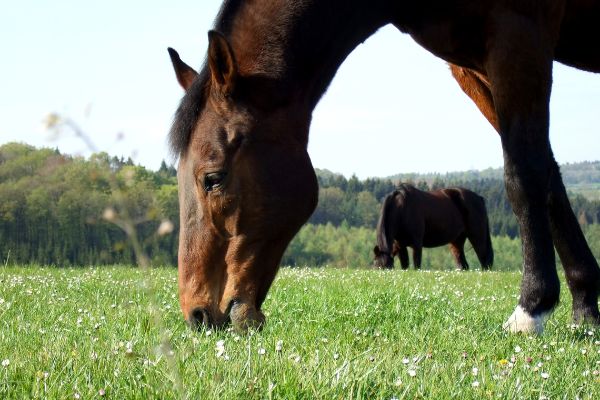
(58, 209)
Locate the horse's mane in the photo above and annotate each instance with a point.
(192, 102)
(191, 105)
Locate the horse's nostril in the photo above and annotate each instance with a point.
(199, 317)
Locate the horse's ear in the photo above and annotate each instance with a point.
(221, 61)
(185, 74)
(376, 251)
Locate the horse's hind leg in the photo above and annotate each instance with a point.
(581, 268)
(457, 248)
(519, 65)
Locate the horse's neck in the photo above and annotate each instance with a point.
(302, 43)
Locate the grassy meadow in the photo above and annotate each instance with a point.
(117, 332)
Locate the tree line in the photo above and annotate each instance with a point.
(66, 210)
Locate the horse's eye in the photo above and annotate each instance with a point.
(214, 180)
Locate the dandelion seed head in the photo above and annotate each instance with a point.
(109, 214)
(165, 228)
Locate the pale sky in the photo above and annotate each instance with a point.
(105, 65)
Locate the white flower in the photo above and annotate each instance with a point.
(517, 349)
(474, 371)
(261, 351)
(545, 375)
(5, 363)
(405, 361)
(279, 346)
(412, 372)
(475, 384)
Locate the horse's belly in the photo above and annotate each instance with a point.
(578, 41)
(436, 239)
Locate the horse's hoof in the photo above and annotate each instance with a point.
(522, 322)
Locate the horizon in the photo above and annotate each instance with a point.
(119, 86)
(325, 170)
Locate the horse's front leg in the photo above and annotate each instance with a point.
(403, 255)
(519, 66)
(417, 252)
(581, 268)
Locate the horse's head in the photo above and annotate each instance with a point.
(383, 259)
(246, 185)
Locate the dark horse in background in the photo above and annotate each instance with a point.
(414, 218)
(246, 182)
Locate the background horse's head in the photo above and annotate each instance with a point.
(383, 259)
(246, 185)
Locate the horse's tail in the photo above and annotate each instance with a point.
(383, 238)
(385, 235)
(474, 213)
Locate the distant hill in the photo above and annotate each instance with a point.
(580, 178)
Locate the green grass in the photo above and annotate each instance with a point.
(342, 334)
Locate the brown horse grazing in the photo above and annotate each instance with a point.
(413, 218)
(246, 183)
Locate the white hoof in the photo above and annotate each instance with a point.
(522, 321)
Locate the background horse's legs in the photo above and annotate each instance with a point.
(519, 66)
(457, 248)
(581, 268)
(403, 255)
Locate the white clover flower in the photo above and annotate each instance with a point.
(517, 349)
(475, 371)
(545, 375)
(412, 372)
(279, 346)
(6, 362)
(261, 351)
(405, 361)
(475, 384)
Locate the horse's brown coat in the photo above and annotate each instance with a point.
(245, 179)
